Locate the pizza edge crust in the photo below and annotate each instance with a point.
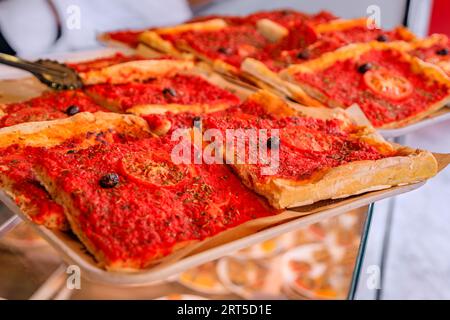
(139, 70)
(146, 109)
(53, 132)
(355, 50)
(347, 180)
(153, 38)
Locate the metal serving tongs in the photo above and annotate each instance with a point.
(55, 75)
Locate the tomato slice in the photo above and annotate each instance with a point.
(387, 84)
(155, 170)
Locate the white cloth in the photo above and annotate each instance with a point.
(30, 28)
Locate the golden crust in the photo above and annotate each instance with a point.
(51, 133)
(176, 108)
(208, 25)
(430, 41)
(407, 167)
(133, 71)
(271, 30)
(341, 24)
(352, 179)
(155, 41)
(272, 104)
(353, 51)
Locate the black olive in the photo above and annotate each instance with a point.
(442, 52)
(196, 121)
(70, 151)
(273, 143)
(109, 180)
(72, 110)
(225, 51)
(170, 91)
(305, 54)
(382, 38)
(364, 68)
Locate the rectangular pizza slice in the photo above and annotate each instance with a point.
(133, 204)
(119, 68)
(301, 160)
(302, 45)
(18, 152)
(181, 92)
(434, 49)
(49, 106)
(392, 87)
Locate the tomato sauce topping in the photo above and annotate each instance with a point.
(156, 203)
(127, 37)
(232, 44)
(344, 83)
(179, 89)
(49, 106)
(307, 147)
(16, 164)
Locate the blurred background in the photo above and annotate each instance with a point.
(408, 241)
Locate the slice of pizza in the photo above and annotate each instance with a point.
(119, 68)
(18, 152)
(327, 37)
(49, 106)
(133, 204)
(434, 49)
(302, 160)
(178, 93)
(392, 87)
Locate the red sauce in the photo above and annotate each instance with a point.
(49, 106)
(310, 46)
(101, 63)
(343, 83)
(140, 219)
(127, 37)
(185, 90)
(308, 147)
(231, 45)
